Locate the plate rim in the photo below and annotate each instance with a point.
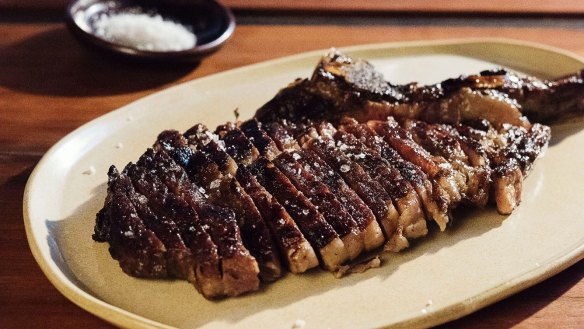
(124, 318)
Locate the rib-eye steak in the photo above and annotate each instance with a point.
(334, 166)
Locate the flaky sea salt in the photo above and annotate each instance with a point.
(144, 31)
(299, 324)
(90, 171)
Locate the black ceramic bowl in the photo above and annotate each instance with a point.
(211, 23)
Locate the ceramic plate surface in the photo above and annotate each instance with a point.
(482, 258)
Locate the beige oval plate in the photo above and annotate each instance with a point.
(483, 258)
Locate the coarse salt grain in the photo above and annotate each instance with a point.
(90, 171)
(144, 31)
(299, 324)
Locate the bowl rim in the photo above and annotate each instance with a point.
(193, 54)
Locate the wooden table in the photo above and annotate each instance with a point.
(50, 85)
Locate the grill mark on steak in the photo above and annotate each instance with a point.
(319, 233)
(302, 178)
(434, 208)
(138, 250)
(444, 141)
(199, 137)
(260, 139)
(525, 145)
(152, 204)
(280, 135)
(207, 277)
(350, 201)
(511, 151)
(353, 174)
(298, 253)
(225, 191)
(239, 269)
(326, 203)
(411, 221)
(237, 145)
(358, 90)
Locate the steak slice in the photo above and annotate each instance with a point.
(511, 152)
(368, 189)
(302, 178)
(238, 268)
(444, 186)
(298, 253)
(435, 207)
(321, 235)
(137, 248)
(281, 136)
(237, 144)
(224, 190)
(138, 259)
(260, 139)
(325, 202)
(411, 222)
(153, 206)
(199, 137)
(208, 273)
(443, 140)
(363, 216)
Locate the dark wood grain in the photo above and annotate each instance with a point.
(385, 6)
(426, 6)
(50, 85)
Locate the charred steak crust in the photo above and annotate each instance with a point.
(333, 166)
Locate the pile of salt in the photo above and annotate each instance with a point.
(143, 31)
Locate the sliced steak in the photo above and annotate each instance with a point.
(350, 201)
(511, 152)
(237, 144)
(152, 201)
(140, 252)
(321, 235)
(368, 189)
(224, 190)
(327, 204)
(260, 139)
(411, 222)
(297, 252)
(443, 140)
(302, 178)
(239, 269)
(434, 205)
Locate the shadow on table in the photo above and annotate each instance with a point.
(54, 63)
(510, 312)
